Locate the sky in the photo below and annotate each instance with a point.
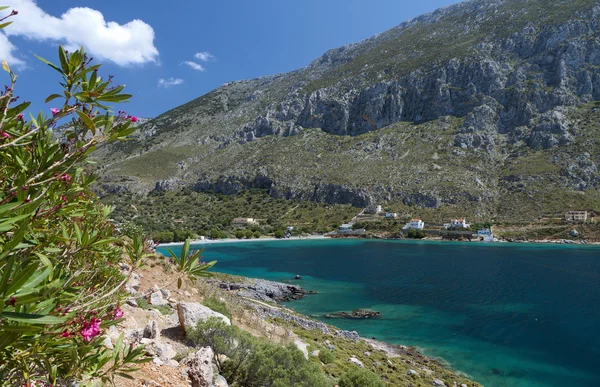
(169, 53)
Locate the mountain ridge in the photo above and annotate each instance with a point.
(354, 125)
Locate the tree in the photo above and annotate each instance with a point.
(279, 234)
(60, 282)
(239, 234)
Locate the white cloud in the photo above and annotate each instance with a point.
(169, 82)
(194, 65)
(7, 52)
(204, 56)
(127, 44)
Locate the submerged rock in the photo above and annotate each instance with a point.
(355, 314)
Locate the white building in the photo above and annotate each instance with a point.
(373, 209)
(391, 215)
(485, 234)
(244, 221)
(457, 223)
(345, 228)
(414, 223)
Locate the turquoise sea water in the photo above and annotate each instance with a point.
(507, 315)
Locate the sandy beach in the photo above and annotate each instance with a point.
(235, 240)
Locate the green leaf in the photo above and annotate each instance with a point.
(37, 319)
(55, 67)
(64, 63)
(52, 97)
(5, 66)
(87, 121)
(114, 98)
(20, 328)
(3, 25)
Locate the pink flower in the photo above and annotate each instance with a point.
(5, 135)
(20, 117)
(90, 329)
(118, 313)
(134, 119)
(65, 333)
(55, 111)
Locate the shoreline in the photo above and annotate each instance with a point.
(235, 240)
(209, 242)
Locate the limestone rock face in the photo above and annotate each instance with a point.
(200, 368)
(360, 123)
(189, 313)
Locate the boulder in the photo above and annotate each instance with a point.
(134, 281)
(158, 349)
(166, 293)
(151, 330)
(301, 345)
(439, 383)
(200, 368)
(157, 299)
(413, 373)
(189, 313)
(356, 362)
(220, 382)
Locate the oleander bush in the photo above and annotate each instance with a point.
(60, 278)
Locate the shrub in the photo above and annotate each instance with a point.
(239, 234)
(326, 356)
(164, 237)
(279, 234)
(359, 377)
(256, 234)
(248, 234)
(250, 362)
(60, 284)
(217, 305)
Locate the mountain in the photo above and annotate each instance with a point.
(486, 106)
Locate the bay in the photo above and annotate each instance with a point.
(506, 314)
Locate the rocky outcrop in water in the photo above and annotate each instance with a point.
(263, 290)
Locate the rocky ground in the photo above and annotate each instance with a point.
(157, 311)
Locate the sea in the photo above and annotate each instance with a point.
(507, 315)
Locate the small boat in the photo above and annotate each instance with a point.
(298, 277)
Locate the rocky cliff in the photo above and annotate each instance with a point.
(461, 108)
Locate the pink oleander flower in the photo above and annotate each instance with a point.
(118, 313)
(5, 135)
(90, 329)
(134, 119)
(20, 117)
(65, 333)
(54, 111)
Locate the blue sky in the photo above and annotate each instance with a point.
(148, 41)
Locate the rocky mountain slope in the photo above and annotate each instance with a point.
(486, 106)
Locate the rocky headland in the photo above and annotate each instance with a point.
(157, 314)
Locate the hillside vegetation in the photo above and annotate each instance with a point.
(484, 108)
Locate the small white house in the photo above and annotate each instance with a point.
(457, 223)
(244, 221)
(391, 215)
(415, 224)
(485, 234)
(345, 228)
(373, 209)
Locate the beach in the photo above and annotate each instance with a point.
(235, 240)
